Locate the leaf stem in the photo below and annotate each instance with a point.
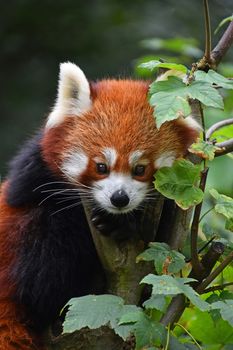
(168, 337)
(191, 336)
(207, 212)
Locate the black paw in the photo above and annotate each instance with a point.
(118, 227)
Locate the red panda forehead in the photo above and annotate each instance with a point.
(125, 93)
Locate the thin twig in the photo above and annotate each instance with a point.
(207, 32)
(206, 245)
(196, 264)
(217, 126)
(215, 288)
(202, 121)
(215, 273)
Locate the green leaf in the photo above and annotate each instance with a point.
(148, 333)
(203, 149)
(213, 77)
(170, 98)
(165, 259)
(224, 204)
(229, 225)
(207, 331)
(183, 46)
(131, 317)
(226, 310)
(157, 302)
(179, 182)
(151, 65)
(94, 311)
(168, 285)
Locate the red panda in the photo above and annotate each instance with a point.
(100, 141)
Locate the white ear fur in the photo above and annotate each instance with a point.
(73, 94)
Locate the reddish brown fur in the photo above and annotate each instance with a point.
(13, 330)
(121, 118)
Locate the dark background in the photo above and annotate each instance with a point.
(102, 36)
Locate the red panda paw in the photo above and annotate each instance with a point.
(119, 227)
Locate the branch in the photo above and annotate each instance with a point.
(223, 45)
(227, 147)
(218, 126)
(174, 311)
(211, 257)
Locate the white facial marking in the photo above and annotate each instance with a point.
(73, 94)
(104, 189)
(166, 159)
(135, 156)
(111, 155)
(75, 164)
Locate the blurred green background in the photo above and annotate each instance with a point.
(105, 38)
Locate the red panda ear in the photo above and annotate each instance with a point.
(73, 97)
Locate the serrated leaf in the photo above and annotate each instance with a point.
(179, 182)
(168, 285)
(170, 98)
(94, 311)
(165, 259)
(151, 65)
(224, 204)
(131, 317)
(148, 333)
(206, 94)
(213, 77)
(203, 149)
(157, 302)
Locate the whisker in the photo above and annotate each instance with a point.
(73, 198)
(68, 207)
(51, 195)
(52, 183)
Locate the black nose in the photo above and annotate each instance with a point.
(119, 199)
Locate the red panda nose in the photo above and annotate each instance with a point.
(119, 199)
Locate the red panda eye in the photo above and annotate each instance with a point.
(102, 168)
(139, 170)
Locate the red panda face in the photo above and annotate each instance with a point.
(103, 139)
